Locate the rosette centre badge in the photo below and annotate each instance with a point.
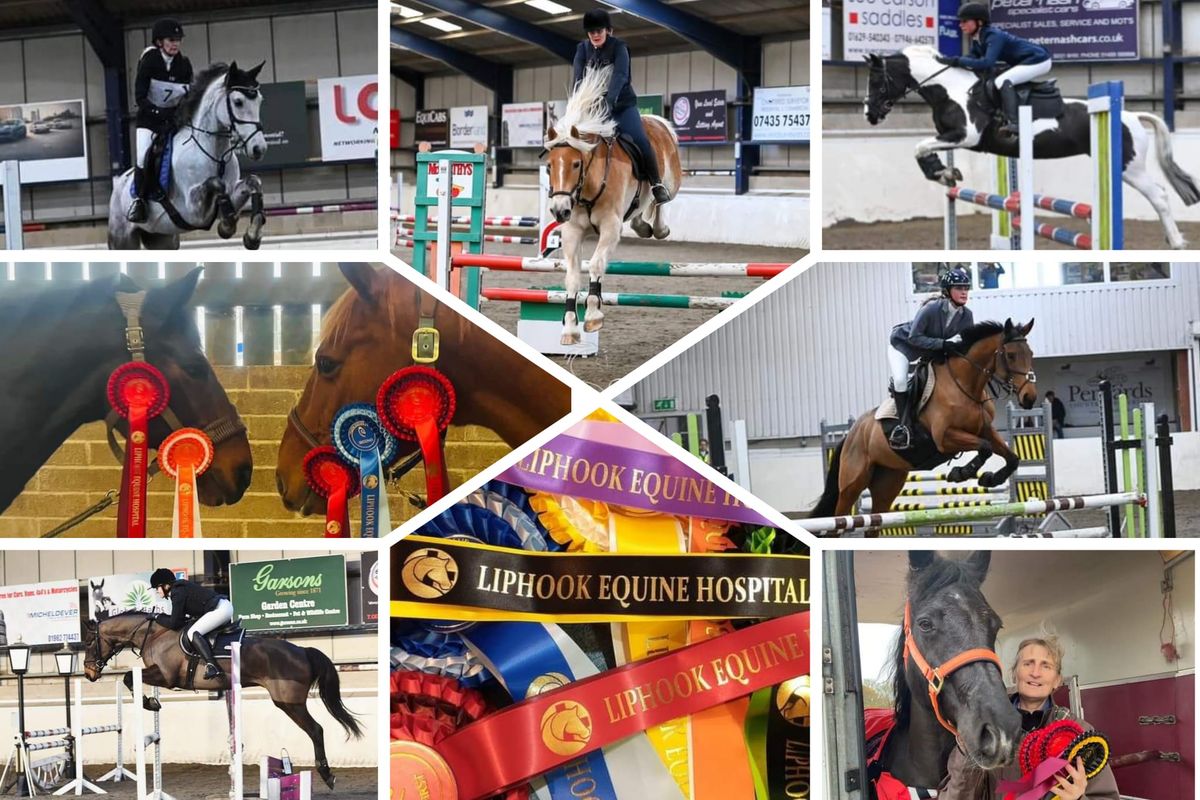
(429, 574)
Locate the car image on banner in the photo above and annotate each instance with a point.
(48, 138)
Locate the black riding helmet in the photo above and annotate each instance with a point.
(166, 29)
(596, 19)
(975, 11)
(162, 575)
(955, 276)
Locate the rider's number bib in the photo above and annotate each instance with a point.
(165, 94)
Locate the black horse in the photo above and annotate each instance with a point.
(62, 343)
(949, 628)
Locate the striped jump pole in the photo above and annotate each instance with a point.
(403, 241)
(331, 208)
(1080, 241)
(494, 221)
(1012, 202)
(559, 296)
(643, 268)
(1029, 508)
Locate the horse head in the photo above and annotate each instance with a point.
(951, 628)
(1002, 353)
(241, 113)
(172, 345)
(888, 80)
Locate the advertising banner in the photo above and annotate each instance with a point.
(650, 104)
(394, 128)
(40, 613)
(349, 114)
(879, 26)
(699, 116)
(370, 586)
(110, 595)
(468, 127)
(290, 593)
(433, 126)
(48, 138)
(285, 123)
(1073, 30)
(781, 114)
(522, 124)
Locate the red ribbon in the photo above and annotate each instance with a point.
(561, 725)
(138, 392)
(416, 404)
(334, 480)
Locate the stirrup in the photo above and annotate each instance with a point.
(212, 671)
(900, 438)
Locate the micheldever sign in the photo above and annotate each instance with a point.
(290, 593)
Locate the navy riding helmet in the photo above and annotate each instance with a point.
(955, 276)
(595, 20)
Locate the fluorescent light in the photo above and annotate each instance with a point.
(405, 11)
(549, 6)
(441, 24)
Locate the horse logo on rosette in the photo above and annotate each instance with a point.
(566, 728)
(546, 683)
(792, 700)
(429, 574)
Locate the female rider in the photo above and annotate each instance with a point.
(164, 76)
(1026, 60)
(936, 328)
(602, 49)
(195, 605)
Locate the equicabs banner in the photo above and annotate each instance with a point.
(699, 116)
(522, 124)
(285, 123)
(1073, 30)
(885, 26)
(781, 114)
(48, 138)
(468, 127)
(290, 593)
(433, 126)
(109, 595)
(40, 613)
(349, 114)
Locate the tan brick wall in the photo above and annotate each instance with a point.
(83, 469)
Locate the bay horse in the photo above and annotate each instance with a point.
(286, 671)
(65, 340)
(962, 122)
(958, 417)
(220, 117)
(593, 188)
(948, 626)
(367, 335)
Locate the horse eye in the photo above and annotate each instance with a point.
(326, 365)
(196, 369)
(925, 624)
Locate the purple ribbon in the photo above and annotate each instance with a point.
(608, 473)
(1036, 784)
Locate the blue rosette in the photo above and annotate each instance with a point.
(361, 440)
(416, 645)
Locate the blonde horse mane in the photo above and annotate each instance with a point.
(586, 114)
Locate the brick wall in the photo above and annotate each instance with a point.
(83, 469)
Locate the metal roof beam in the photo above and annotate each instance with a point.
(527, 32)
(743, 53)
(491, 74)
(103, 31)
(106, 36)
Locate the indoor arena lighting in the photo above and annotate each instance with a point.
(549, 6)
(405, 11)
(441, 24)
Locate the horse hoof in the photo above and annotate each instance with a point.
(569, 339)
(225, 231)
(664, 233)
(988, 480)
(250, 242)
(641, 228)
(958, 475)
(151, 704)
(329, 778)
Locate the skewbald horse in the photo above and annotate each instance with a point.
(593, 187)
(958, 417)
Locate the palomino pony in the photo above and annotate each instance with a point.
(961, 121)
(219, 118)
(288, 672)
(958, 417)
(949, 627)
(368, 335)
(64, 341)
(593, 187)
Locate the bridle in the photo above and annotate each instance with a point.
(576, 193)
(936, 677)
(219, 431)
(236, 139)
(888, 102)
(100, 660)
(989, 372)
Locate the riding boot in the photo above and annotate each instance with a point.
(650, 168)
(200, 642)
(901, 437)
(1009, 106)
(137, 209)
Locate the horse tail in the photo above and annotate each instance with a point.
(828, 502)
(1183, 183)
(325, 677)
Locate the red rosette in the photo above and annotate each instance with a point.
(141, 384)
(425, 709)
(1058, 738)
(414, 395)
(185, 447)
(1027, 754)
(327, 473)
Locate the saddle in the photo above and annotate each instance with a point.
(923, 453)
(1043, 96)
(158, 163)
(635, 160)
(219, 640)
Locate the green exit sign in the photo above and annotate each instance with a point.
(665, 405)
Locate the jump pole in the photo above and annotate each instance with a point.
(14, 234)
(233, 700)
(141, 741)
(559, 297)
(644, 268)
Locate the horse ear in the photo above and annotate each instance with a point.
(551, 135)
(233, 67)
(362, 277)
(1028, 327)
(574, 132)
(164, 302)
(254, 72)
(920, 559)
(978, 563)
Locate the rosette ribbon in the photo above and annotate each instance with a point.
(1045, 753)
(184, 456)
(361, 440)
(416, 404)
(333, 479)
(138, 392)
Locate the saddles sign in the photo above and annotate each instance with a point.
(290, 593)
(349, 112)
(878, 26)
(40, 613)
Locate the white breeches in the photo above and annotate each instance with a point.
(1023, 73)
(221, 615)
(898, 362)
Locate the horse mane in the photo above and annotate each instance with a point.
(342, 317)
(587, 113)
(980, 331)
(187, 109)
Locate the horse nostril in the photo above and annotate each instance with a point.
(243, 476)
